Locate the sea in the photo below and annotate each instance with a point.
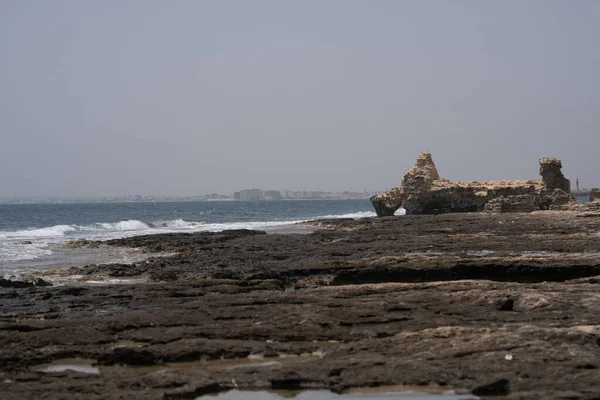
(32, 236)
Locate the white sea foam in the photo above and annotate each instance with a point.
(117, 229)
(18, 251)
(123, 226)
(52, 231)
(29, 244)
(177, 223)
(356, 215)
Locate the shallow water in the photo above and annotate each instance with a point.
(89, 366)
(366, 394)
(62, 257)
(70, 364)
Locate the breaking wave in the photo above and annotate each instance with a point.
(52, 231)
(34, 243)
(141, 227)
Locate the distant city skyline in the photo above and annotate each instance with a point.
(296, 194)
(257, 194)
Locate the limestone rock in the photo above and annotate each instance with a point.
(516, 203)
(550, 170)
(424, 168)
(387, 203)
(571, 206)
(418, 180)
(559, 197)
(595, 195)
(423, 191)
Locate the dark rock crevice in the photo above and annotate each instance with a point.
(518, 273)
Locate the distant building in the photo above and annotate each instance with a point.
(249, 194)
(273, 195)
(257, 194)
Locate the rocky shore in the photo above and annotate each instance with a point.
(502, 304)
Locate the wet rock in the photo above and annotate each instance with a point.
(288, 381)
(128, 356)
(507, 305)
(7, 283)
(193, 392)
(375, 250)
(75, 244)
(387, 203)
(586, 366)
(498, 388)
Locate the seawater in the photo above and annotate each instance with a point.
(327, 395)
(31, 235)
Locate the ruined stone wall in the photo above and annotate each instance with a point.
(423, 191)
(513, 203)
(552, 176)
(472, 198)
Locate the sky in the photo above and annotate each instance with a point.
(155, 97)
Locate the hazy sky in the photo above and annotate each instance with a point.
(118, 97)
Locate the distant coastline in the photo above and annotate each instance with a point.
(257, 195)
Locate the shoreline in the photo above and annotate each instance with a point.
(459, 301)
(32, 237)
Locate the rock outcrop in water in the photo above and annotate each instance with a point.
(387, 203)
(423, 191)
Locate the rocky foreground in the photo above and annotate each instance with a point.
(497, 304)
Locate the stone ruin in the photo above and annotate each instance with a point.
(423, 191)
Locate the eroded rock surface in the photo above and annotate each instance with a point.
(483, 302)
(515, 203)
(387, 203)
(552, 177)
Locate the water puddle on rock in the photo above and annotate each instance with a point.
(479, 253)
(124, 343)
(379, 393)
(227, 364)
(88, 366)
(82, 365)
